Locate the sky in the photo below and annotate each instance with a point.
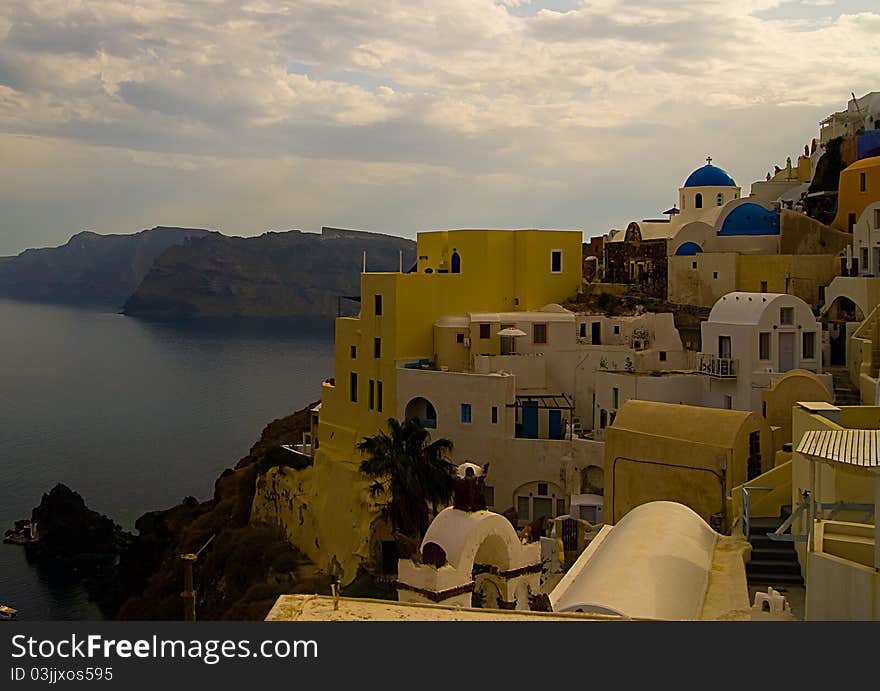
(401, 116)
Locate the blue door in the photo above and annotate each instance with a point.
(456, 263)
(530, 420)
(555, 424)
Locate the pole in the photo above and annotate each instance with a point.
(400, 262)
(365, 261)
(189, 592)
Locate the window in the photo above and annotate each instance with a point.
(864, 254)
(852, 222)
(379, 396)
(354, 352)
(583, 331)
(489, 495)
(763, 346)
(377, 347)
(522, 508)
(466, 413)
(617, 329)
(662, 356)
(693, 265)
(724, 347)
(786, 316)
(372, 394)
(378, 305)
(863, 182)
(715, 275)
(809, 349)
(615, 397)
(560, 507)
(876, 219)
(603, 418)
(719, 200)
(485, 331)
(763, 286)
(459, 338)
(494, 414)
(539, 333)
(353, 387)
(556, 261)
(698, 200)
(542, 489)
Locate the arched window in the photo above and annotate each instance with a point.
(456, 263)
(422, 410)
(698, 200)
(720, 199)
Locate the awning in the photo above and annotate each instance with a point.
(550, 401)
(512, 331)
(853, 447)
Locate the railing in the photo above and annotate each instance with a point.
(747, 510)
(715, 366)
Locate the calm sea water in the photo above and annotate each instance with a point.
(132, 415)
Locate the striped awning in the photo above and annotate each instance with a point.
(856, 447)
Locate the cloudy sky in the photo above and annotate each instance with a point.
(403, 115)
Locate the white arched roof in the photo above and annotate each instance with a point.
(653, 564)
(743, 308)
(462, 533)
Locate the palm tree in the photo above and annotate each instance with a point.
(415, 469)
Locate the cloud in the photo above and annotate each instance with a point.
(538, 95)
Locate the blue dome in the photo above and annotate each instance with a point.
(709, 176)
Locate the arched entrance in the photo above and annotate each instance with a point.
(422, 409)
(840, 312)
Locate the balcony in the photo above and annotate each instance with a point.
(720, 367)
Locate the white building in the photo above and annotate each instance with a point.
(749, 338)
(517, 390)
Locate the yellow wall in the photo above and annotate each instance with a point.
(785, 392)
(805, 274)
(643, 466)
(850, 198)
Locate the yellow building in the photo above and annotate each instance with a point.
(835, 462)
(326, 510)
(687, 454)
(859, 187)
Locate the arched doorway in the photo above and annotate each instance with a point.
(456, 263)
(840, 313)
(422, 409)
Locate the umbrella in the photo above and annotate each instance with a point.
(512, 331)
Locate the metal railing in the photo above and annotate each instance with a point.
(747, 508)
(715, 366)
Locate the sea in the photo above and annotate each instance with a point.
(133, 415)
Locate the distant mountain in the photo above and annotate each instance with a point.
(90, 268)
(276, 275)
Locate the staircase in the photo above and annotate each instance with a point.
(773, 562)
(844, 392)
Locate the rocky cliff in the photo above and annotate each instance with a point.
(243, 568)
(90, 268)
(273, 276)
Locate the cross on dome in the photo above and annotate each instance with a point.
(708, 160)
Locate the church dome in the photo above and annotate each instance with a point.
(709, 176)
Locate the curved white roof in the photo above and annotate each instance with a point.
(653, 564)
(742, 308)
(462, 534)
